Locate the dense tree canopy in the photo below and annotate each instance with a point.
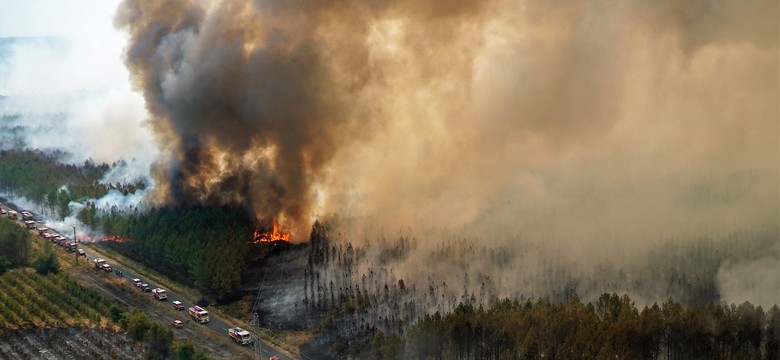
(609, 328)
(205, 247)
(43, 177)
(368, 312)
(15, 243)
(46, 262)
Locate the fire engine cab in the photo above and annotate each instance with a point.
(199, 314)
(160, 294)
(240, 336)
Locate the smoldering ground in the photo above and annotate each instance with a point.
(599, 130)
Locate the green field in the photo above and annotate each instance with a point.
(28, 299)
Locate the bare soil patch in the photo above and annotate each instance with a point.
(68, 343)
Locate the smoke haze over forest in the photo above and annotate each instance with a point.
(598, 131)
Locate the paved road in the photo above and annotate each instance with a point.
(215, 323)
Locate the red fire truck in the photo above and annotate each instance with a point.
(199, 314)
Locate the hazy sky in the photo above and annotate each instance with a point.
(56, 17)
(81, 75)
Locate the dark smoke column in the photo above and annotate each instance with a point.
(241, 99)
(251, 100)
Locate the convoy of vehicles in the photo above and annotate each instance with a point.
(199, 314)
(240, 336)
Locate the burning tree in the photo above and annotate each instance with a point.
(272, 236)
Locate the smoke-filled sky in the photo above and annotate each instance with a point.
(570, 117)
(584, 125)
(589, 124)
(62, 70)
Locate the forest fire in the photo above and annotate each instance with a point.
(114, 238)
(272, 236)
(91, 238)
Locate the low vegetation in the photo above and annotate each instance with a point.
(47, 261)
(42, 297)
(75, 342)
(29, 299)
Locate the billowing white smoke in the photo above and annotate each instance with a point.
(755, 281)
(73, 94)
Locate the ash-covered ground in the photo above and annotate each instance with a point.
(278, 281)
(67, 343)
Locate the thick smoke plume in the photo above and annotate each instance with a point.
(586, 125)
(254, 99)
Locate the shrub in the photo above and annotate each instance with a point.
(46, 263)
(5, 265)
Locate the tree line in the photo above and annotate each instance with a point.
(610, 328)
(367, 310)
(15, 245)
(44, 179)
(16, 250)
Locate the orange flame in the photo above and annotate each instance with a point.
(272, 236)
(114, 238)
